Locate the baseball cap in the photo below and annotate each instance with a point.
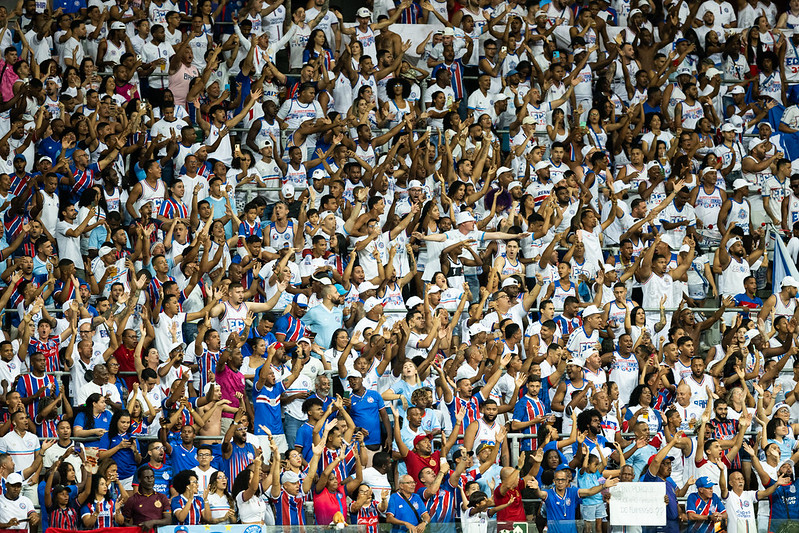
(590, 311)
(740, 183)
(512, 185)
(635, 11)
(415, 184)
(371, 303)
(749, 336)
(704, 483)
(502, 170)
(363, 13)
(500, 97)
(448, 32)
(789, 281)
(14, 478)
(463, 217)
(289, 477)
(652, 458)
(528, 120)
(433, 289)
(737, 90)
(301, 300)
(288, 190)
(731, 242)
(340, 288)
(510, 282)
(712, 71)
(780, 406)
(318, 174)
(683, 70)
(419, 438)
(117, 25)
(575, 362)
(413, 301)
(579, 51)
(105, 250)
(608, 268)
(540, 13)
(304, 339)
(541, 165)
(354, 374)
(366, 286)
(477, 328)
(728, 126)
(482, 446)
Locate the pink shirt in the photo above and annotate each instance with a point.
(326, 504)
(230, 382)
(7, 79)
(179, 82)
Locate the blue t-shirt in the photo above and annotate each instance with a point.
(124, 458)
(561, 512)
(163, 478)
(672, 509)
(784, 503)
(589, 480)
(304, 440)
(324, 323)
(399, 508)
(182, 459)
(365, 412)
(266, 403)
(103, 420)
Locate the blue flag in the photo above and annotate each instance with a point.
(783, 265)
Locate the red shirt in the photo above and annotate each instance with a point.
(415, 463)
(126, 364)
(515, 511)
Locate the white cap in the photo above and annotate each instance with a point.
(541, 13)
(448, 32)
(728, 126)
(732, 242)
(737, 90)
(500, 97)
(366, 286)
(503, 170)
(740, 183)
(635, 11)
(463, 217)
(105, 250)
(683, 70)
(304, 339)
(264, 144)
(750, 335)
(528, 121)
(413, 301)
(711, 72)
(289, 477)
(590, 311)
(324, 214)
(476, 328)
(288, 190)
(541, 165)
(738, 122)
(608, 268)
(512, 185)
(789, 281)
(318, 174)
(510, 282)
(414, 184)
(117, 25)
(575, 362)
(371, 303)
(14, 478)
(363, 13)
(580, 50)
(354, 374)
(433, 289)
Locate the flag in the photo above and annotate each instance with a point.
(783, 265)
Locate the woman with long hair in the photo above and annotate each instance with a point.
(246, 492)
(317, 46)
(640, 409)
(93, 421)
(120, 445)
(223, 506)
(101, 509)
(338, 344)
(397, 106)
(256, 359)
(140, 419)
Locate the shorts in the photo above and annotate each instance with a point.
(593, 512)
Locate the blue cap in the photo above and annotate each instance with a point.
(20, 156)
(681, 40)
(341, 290)
(301, 300)
(704, 483)
(511, 72)
(182, 529)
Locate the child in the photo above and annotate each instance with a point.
(593, 474)
(474, 518)
(250, 225)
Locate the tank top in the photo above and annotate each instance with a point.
(400, 112)
(150, 194)
(510, 269)
(556, 171)
(393, 300)
(486, 433)
(560, 293)
(113, 52)
(732, 277)
(791, 20)
(281, 239)
(793, 210)
(599, 139)
(707, 208)
(781, 309)
(691, 114)
(231, 320)
(756, 179)
(654, 288)
(367, 155)
(739, 214)
(676, 97)
(297, 177)
(370, 81)
(571, 390)
(367, 40)
(616, 315)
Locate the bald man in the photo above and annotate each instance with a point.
(406, 510)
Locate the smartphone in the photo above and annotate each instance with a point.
(77, 448)
(583, 124)
(238, 147)
(556, 55)
(504, 49)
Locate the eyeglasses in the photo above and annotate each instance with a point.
(204, 455)
(561, 480)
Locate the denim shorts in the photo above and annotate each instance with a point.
(593, 512)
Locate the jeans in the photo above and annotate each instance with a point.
(292, 425)
(474, 286)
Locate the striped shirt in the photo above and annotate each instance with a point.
(289, 510)
(105, 517)
(441, 506)
(526, 410)
(49, 349)
(65, 518)
(195, 515)
(172, 208)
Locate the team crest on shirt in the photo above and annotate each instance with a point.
(568, 501)
(250, 456)
(793, 488)
(253, 529)
(745, 503)
(21, 505)
(370, 400)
